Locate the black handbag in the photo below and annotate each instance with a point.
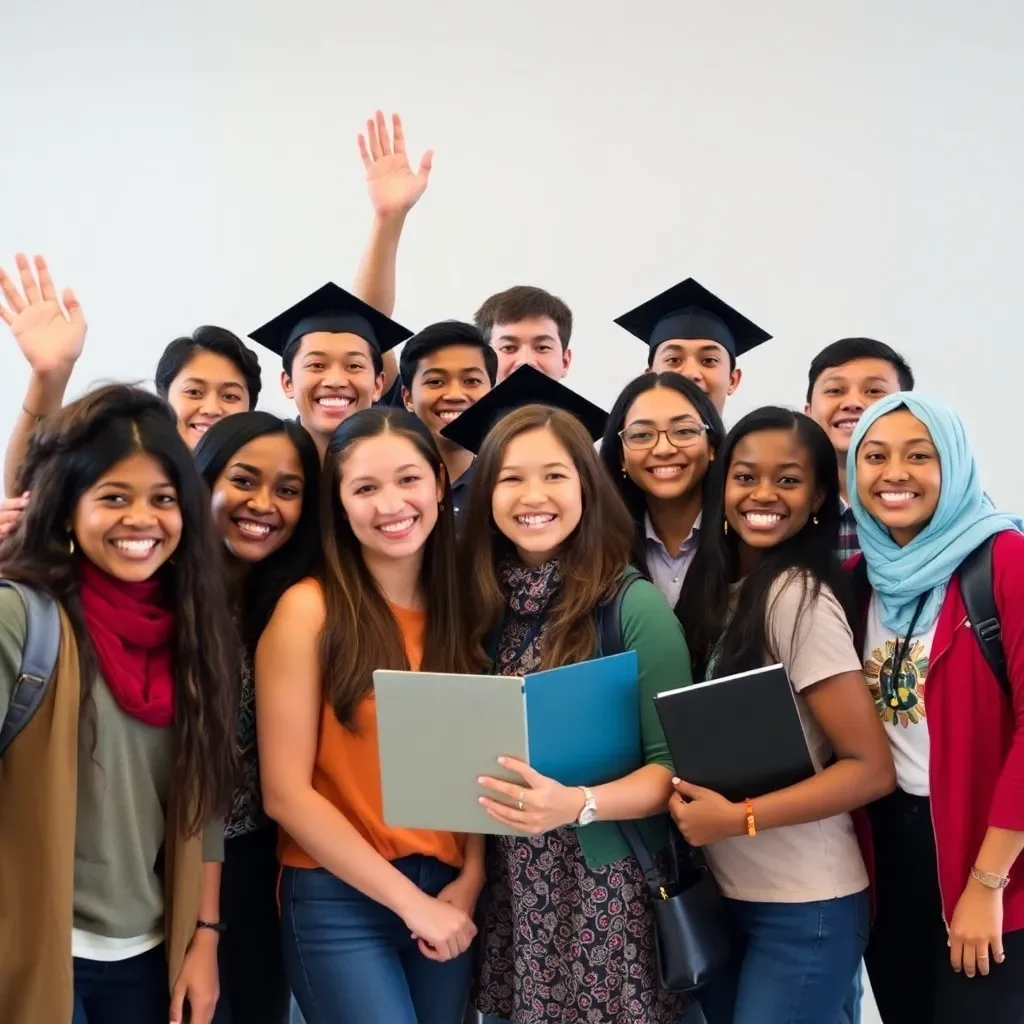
(691, 936)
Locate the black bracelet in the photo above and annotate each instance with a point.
(215, 926)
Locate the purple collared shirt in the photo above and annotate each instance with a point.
(668, 571)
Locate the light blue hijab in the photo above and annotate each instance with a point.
(964, 518)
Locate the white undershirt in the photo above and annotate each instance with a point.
(906, 725)
(87, 946)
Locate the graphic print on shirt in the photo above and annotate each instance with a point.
(900, 701)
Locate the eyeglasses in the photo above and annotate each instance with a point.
(644, 438)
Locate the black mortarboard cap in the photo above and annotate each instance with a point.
(526, 386)
(688, 310)
(330, 308)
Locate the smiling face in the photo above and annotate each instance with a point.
(257, 499)
(899, 477)
(538, 500)
(447, 382)
(770, 490)
(129, 522)
(208, 388)
(679, 458)
(842, 393)
(533, 342)
(704, 362)
(390, 495)
(332, 377)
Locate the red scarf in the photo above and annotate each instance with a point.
(132, 631)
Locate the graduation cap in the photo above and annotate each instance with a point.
(526, 386)
(689, 311)
(333, 309)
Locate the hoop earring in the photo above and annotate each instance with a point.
(71, 544)
(814, 519)
(725, 528)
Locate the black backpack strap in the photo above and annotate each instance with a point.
(977, 586)
(609, 617)
(861, 592)
(38, 660)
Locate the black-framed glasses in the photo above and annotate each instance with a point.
(642, 438)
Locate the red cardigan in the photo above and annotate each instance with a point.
(976, 766)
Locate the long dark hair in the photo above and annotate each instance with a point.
(591, 562)
(360, 632)
(611, 445)
(67, 454)
(704, 605)
(299, 556)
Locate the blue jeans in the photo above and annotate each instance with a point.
(795, 963)
(851, 1007)
(351, 959)
(132, 991)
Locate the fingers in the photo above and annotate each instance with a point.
(998, 953)
(533, 778)
(513, 790)
(28, 279)
(956, 954)
(382, 135)
(72, 306)
(177, 1004)
(12, 295)
(398, 133)
(364, 151)
(982, 958)
(372, 140)
(687, 789)
(970, 959)
(45, 281)
(426, 164)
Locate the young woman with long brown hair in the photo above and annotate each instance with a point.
(547, 540)
(112, 796)
(376, 920)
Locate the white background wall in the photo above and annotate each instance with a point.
(832, 169)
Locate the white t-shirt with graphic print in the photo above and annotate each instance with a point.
(901, 702)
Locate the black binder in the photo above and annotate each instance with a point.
(739, 735)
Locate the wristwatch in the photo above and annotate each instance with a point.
(990, 880)
(589, 811)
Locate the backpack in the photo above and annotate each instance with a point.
(38, 660)
(976, 585)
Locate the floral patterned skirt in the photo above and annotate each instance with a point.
(561, 941)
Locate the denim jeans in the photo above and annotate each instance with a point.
(132, 991)
(854, 997)
(795, 964)
(351, 959)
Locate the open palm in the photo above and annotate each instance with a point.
(50, 333)
(393, 185)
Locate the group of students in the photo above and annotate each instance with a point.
(196, 802)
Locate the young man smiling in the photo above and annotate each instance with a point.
(844, 379)
(527, 326)
(690, 331)
(332, 349)
(445, 369)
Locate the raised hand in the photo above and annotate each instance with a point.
(50, 333)
(393, 186)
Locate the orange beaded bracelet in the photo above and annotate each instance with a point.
(749, 808)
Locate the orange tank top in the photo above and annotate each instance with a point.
(346, 772)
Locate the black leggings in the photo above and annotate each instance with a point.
(253, 987)
(907, 957)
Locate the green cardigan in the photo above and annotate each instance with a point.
(649, 627)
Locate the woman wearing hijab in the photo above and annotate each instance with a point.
(948, 938)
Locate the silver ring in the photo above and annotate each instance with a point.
(520, 803)
(982, 956)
